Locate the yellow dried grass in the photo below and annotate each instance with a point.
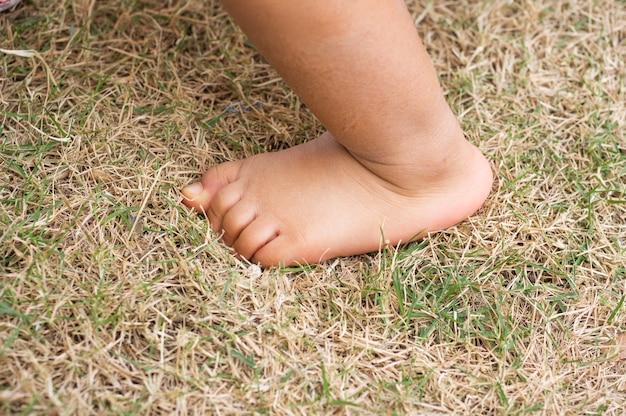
(114, 299)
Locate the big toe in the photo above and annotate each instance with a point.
(200, 194)
(196, 196)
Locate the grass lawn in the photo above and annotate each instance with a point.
(116, 300)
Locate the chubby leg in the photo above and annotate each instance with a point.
(393, 163)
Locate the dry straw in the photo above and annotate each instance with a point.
(114, 299)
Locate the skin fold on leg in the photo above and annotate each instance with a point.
(393, 163)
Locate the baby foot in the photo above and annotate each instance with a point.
(316, 201)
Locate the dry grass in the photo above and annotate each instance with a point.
(115, 300)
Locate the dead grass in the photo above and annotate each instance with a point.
(115, 300)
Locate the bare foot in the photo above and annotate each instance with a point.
(316, 201)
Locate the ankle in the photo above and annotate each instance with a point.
(432, 155)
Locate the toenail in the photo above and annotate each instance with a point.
(193, 189)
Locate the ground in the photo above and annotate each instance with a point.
(115, 299)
